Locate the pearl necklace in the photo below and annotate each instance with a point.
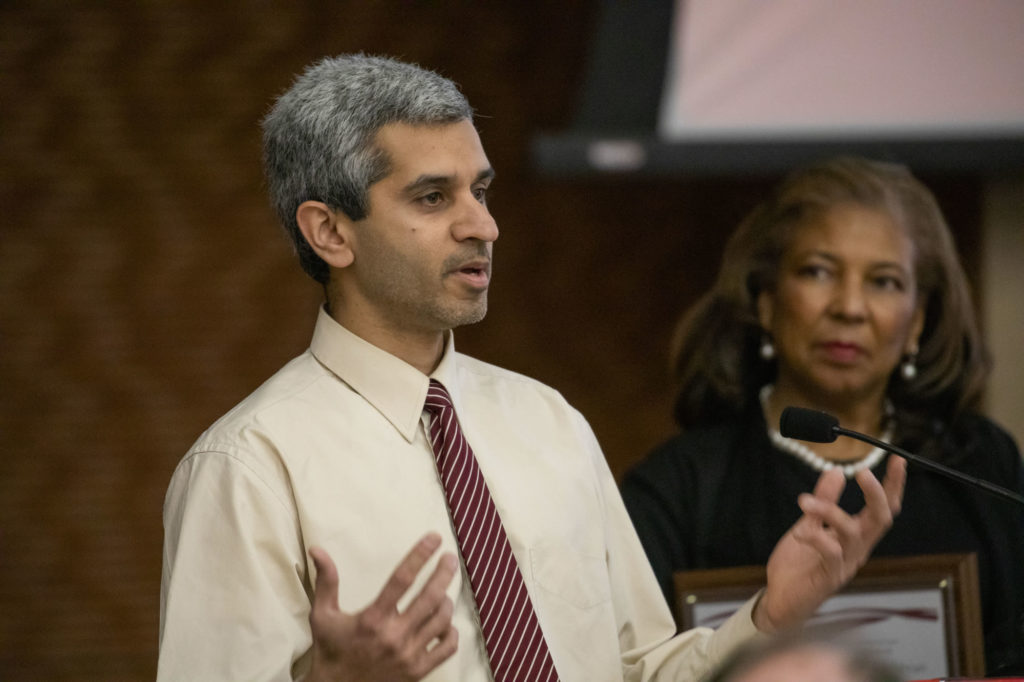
(813, 459)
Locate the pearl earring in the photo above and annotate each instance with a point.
(908, 368)
(767, 350)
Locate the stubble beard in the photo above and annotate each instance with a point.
(459, 316)
(404, 292)
(439, 313)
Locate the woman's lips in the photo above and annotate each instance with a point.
(838, 351)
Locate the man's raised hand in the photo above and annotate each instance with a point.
(379, 642)
(826, 546)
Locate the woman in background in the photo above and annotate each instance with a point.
(843, 293)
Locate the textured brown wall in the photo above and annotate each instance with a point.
(145, 288)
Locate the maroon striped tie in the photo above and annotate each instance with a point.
(515, 643)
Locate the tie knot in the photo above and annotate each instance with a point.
(437, 397)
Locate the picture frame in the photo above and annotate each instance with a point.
(921, 614)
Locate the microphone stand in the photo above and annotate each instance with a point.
(933, 466)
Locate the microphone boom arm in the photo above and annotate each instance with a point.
(933, 466)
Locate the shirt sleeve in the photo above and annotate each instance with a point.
(654, 498)
(650, 648)
(234, 595)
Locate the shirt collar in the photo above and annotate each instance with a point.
(395, 388)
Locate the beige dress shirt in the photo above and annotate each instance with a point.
(333, 451)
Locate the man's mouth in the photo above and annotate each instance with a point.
(475, 274)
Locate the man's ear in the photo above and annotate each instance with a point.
(327, 232)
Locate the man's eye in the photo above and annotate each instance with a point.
(481, 194)
(432, 199)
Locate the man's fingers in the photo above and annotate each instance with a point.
(876, 500)
(428, 632)
(865, 528)
(446, 645)
(434, 593)
(826, 544)
(406, 571)
(325, 593)
(895, 482)
(821, 514)
(380, 638)
(830, 485)
(824, 541)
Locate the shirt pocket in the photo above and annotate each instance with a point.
(571, 574)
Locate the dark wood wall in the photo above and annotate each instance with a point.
(145, 287)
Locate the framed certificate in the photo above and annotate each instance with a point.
(919, 614)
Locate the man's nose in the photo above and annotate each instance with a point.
(475, 222)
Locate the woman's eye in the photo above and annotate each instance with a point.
(889, 283)
(813, 271)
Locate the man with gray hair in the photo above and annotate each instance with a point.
(386, 508)
(803, 657)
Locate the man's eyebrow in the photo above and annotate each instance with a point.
(425, 181)
(443, 181)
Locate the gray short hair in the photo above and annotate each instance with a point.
(318, 139)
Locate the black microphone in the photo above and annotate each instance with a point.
(821, 427)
